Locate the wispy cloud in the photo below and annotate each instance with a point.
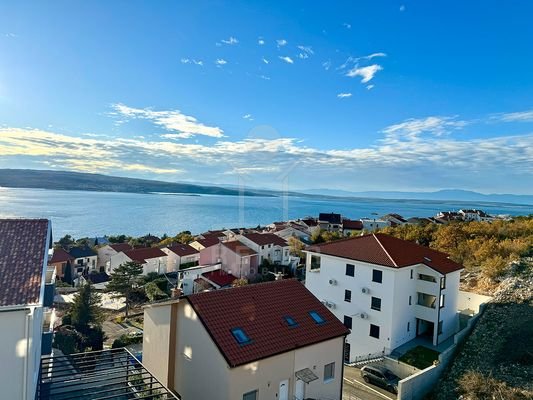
(521, 116)
(230, 41)
(347, 25)
(172, 120)
(249, 117)
(305, 52)
(369, 87)
(192, 61)
(265, 60)
(287, 59)
(326, 65)
(260, 41)
(366, 73)
(265, 77)
(344, 95)
(281, 42)
(10, 35)
(412, 128)
(402, 8)
(220, 62)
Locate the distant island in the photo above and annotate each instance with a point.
(66, 180)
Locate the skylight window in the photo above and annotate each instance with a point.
(317, 317)
(290, 321)
(240, 336)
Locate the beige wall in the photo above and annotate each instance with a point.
(156, 341)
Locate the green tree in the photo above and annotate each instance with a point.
(85, 312)
(67, 276)
(123, 279)
(296, 247)
(66, 241)
(153, 292)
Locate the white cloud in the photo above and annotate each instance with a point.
(326, 65)
(249, 117)
(366, 73)
(306, 49)
(402, 8)
(192, 61)
(522, 116)
(230, 41)
(10, 35)
(220, 61)
(344, 95)
(281, 42)
(412, 128)
(369, 87)
(287, 59)
(347, 25)
(266, 78)
(172, 120)
(265, 60)
(260, 41)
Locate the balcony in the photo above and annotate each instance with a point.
(49, 286)
(427, 300)
(48, 332)
(423, 286)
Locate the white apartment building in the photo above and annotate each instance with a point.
(151, 258)
(26, 290)
(386, 290)
(179, 255)
(268, 247)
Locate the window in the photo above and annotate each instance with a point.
(441, 301)
(377, 276)
(317, 317)
(346, 352)
(350, 270)
(315, 262)
(250, 395)
(439, 328)
(410, 300)
(408, 326)
(427, 278)
(262, 247)
(348, 296)
(240, 336)
(329, 372)
(411, 274)
(443, 282)
(374, 331)
(290, 321)
(376, 304)
(348, 322)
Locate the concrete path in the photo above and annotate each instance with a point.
(355, 388)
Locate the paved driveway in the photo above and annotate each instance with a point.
(114, 331)
(355, 388)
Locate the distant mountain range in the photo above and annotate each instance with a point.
(65, 180)
(445, 194)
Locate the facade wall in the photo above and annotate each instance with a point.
(210, 255)
(156, 341)
(104, 255)
(239, 266)
(469, 303)
(174, 261)
(117, 260)
(158, 265)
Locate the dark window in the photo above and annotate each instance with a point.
(410, 299)
(329, 372)
(408, 326)
(348, 296)
(317, 317)
(376, 304)
(374, 331)
(250, 395)
(439, 329)
(315, 262)
(346, 352)
(377, 276)
(350, 270)
(411, 274)
(290, 321)
(348, 322)
(441, 301)
(427, 278)
(240, 336)
(443, 282)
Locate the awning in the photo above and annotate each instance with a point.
(306, 375)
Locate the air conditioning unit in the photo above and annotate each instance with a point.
(332, 282)
(365, 290)
(328, 304)
(364, 315)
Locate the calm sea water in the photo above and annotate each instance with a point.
(80, 213)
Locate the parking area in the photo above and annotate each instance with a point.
(355, 388)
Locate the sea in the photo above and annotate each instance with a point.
(92, 214)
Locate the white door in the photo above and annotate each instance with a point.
(284, 390)
(299, 390)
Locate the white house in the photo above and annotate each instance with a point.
(85, 259)
(330, 222)
(26, 290)
(386, 290)
(372, 224)
(179, 255)
(106, 251)
(475, 215)
(271, 340)
(268, 247)
(151, 258)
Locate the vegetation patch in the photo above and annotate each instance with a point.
(420, 357)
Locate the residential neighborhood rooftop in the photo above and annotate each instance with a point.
(143, 254)
(239, 248)
(80, 252)
(332, 218)
(182, 249)
(250, 323)
(60, 255)
(24, 245)
(388, 251)
(220, 277)
(118, 247)
(265, 239)
(209, 241)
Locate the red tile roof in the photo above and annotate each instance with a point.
(60, 256)
(209, 241)
(388, 251)
(182, 249)
(143, 254)
(349, 224)
(259, 310)
(23, 255)
(266, 238)
(239, 248)
(118, 247)
(220, 277)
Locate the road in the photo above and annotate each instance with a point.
(355, 388)
(114, 330)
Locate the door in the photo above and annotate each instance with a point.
(299, 391)
(284, 390)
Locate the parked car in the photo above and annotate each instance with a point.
(380, 376)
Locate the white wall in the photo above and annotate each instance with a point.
(104, 255)
(158, 264)
(156, 336)
(470, 301)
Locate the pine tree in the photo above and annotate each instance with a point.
(85, 311)
(123, 278)
(67, 274)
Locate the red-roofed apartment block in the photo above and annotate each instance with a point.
(272, 340)
(386, 290)
(151, 258)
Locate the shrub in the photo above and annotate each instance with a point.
(126, 340)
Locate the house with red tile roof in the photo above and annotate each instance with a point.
(61, 259)
(388, 291)
(271, 340)
(180, 256)
(349, 227)
(151, 258)
(106, 251)
(26, 295)
(219, 279)
(268, 246)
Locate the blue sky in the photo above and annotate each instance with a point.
(356, 96)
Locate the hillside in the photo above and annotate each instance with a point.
(65, 180)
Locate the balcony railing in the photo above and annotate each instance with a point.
(427, 300)
(49, 286)
(48, 332)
